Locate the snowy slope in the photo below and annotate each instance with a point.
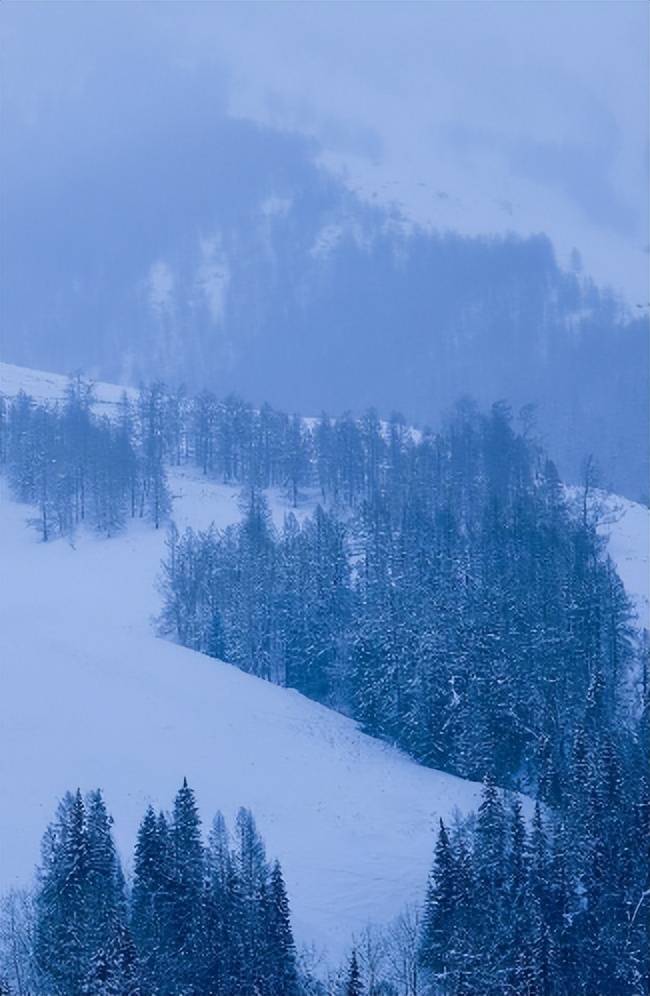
(627, 528)
(91, 697)
(625, 525)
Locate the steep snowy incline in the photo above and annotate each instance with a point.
(90, 697)
(51, 386)
(625, 525)
(627, 528)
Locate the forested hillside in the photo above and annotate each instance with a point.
(443, 592)
(211, 917)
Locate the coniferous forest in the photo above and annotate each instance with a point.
(444, 592)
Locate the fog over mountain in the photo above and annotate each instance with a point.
(162, 219)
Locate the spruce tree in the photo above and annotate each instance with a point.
(251, 880)
(281, 976)
(62, 933)
(222, 961)
(440, 908)
(353, 984)
(186, 891)
(150, 903)
(105, 874)
(491, 910)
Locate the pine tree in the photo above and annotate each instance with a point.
(520, 922)
(219, 964)
(490, 870)
(112, 969)
(354, 984)
(78, 432)
(296, 460)
(108, 942)
(186, 891)
(63, 901)
(440, 908)
(255, 574)
(252, 874)
(150, 903)
(280, 963)
(155, 500)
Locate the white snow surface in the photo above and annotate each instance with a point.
(90, 696)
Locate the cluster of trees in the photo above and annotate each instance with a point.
(557, 905)
(554, 905)
(559, 908)
(346, 459)
(455, 604)
(78, 467)
(199, 919)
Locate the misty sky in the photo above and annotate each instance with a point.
(474, 116)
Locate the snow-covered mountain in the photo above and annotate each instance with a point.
(91, 697)
(371, 308)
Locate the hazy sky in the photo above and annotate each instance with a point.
(529, 116)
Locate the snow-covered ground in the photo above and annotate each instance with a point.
(90, 696)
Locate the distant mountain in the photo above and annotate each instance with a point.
(225, 257)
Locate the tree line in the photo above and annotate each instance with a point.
(81, 468)
(554, 905)
(557, 908)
